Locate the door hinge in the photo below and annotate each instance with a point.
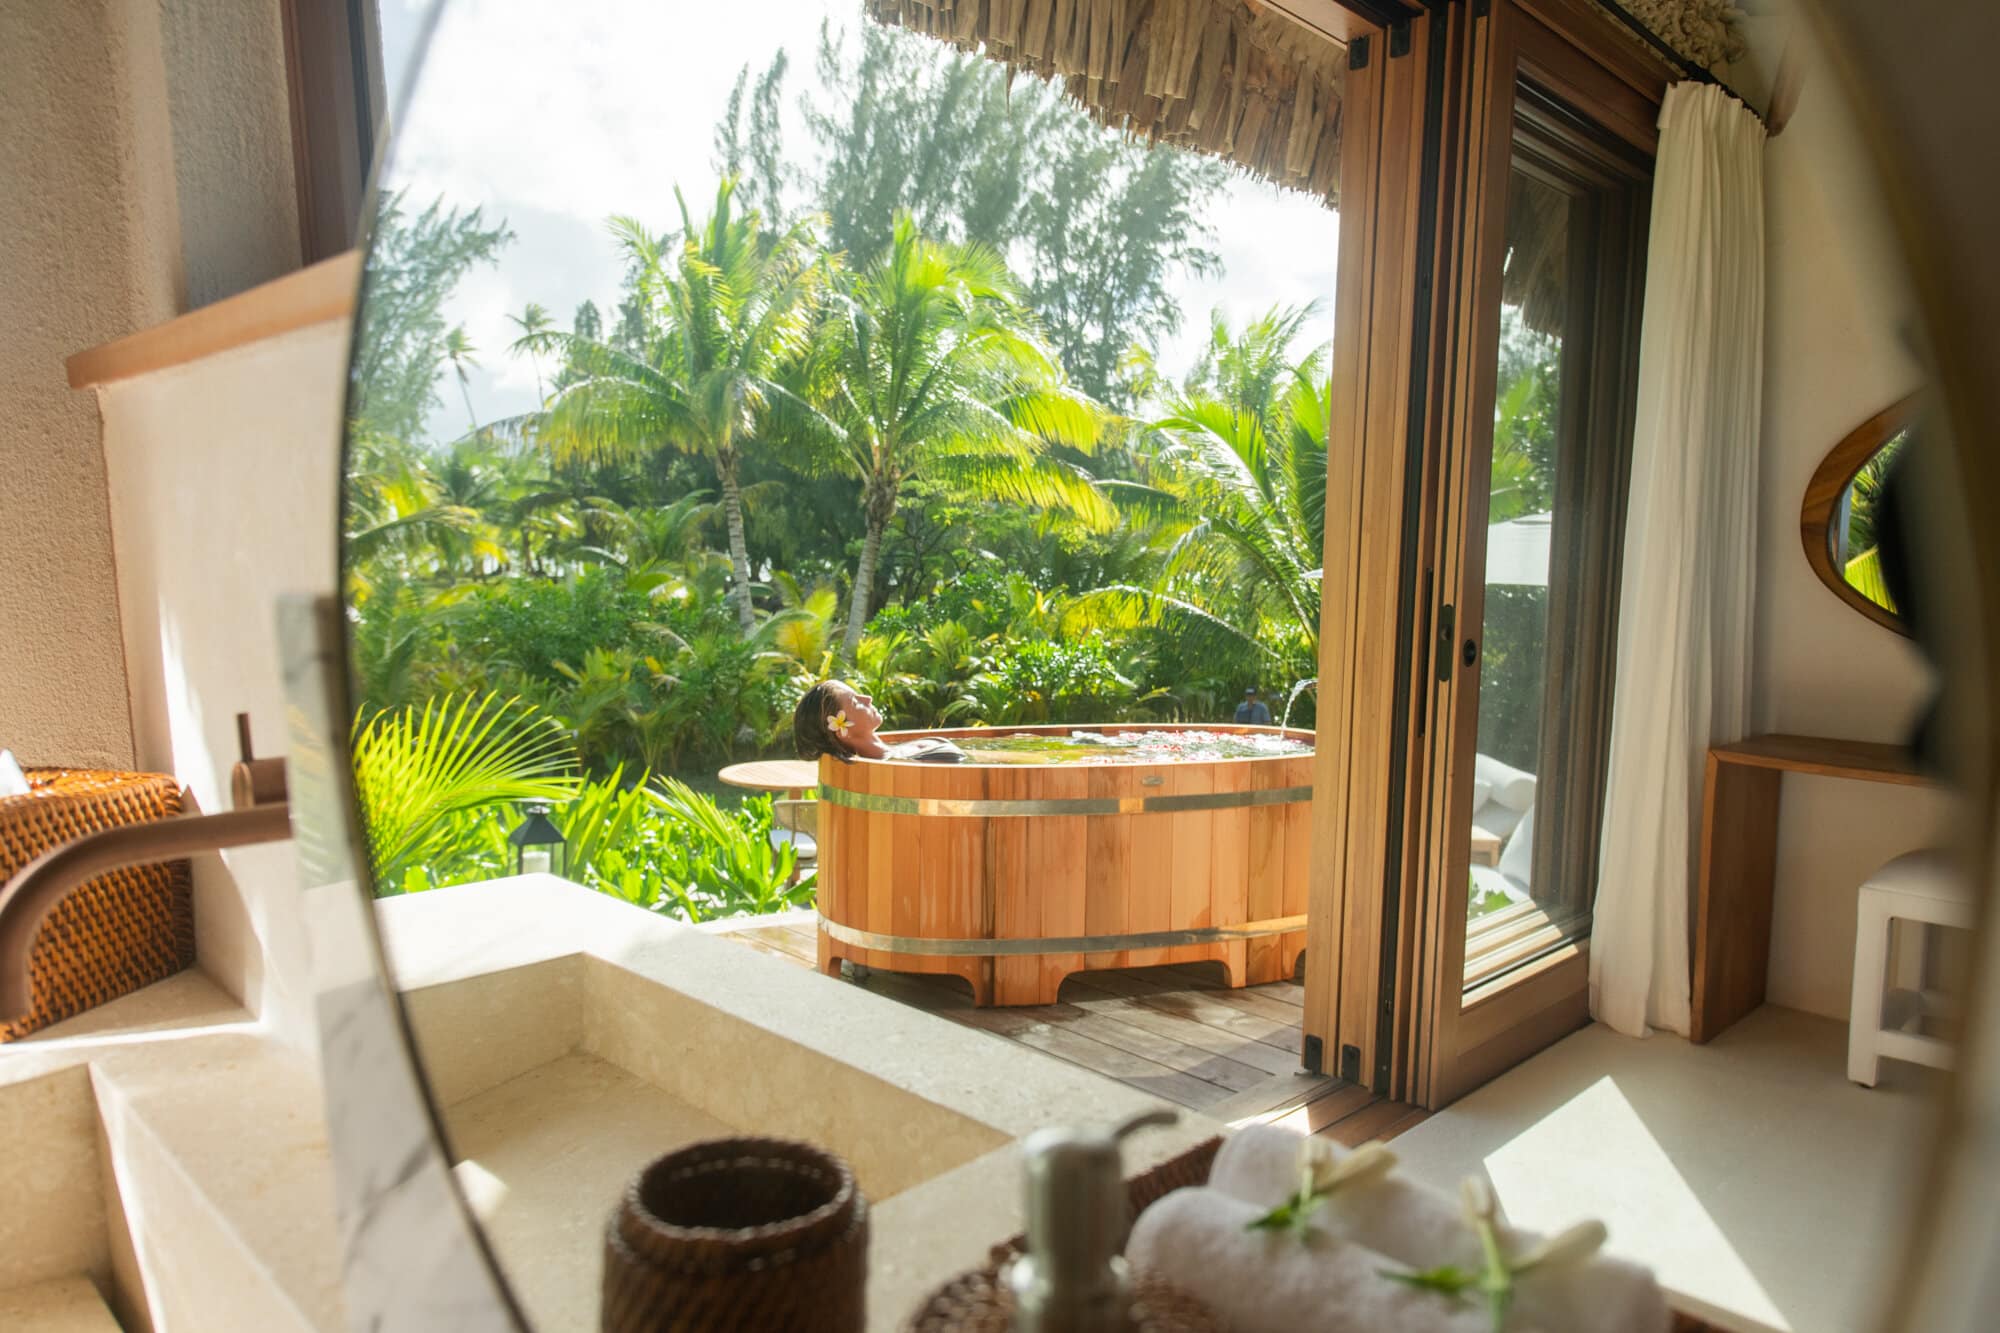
(1312, 1057)
(1399, 39)
(1350, 1063)
(1357, 53)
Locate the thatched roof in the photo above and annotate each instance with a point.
(1212, 75)
(1536, 277)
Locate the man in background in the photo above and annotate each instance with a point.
(1252, 712)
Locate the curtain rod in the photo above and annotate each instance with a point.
(1698, 73)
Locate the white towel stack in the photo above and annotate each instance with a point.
(1276, 1282)
(1272, 1280)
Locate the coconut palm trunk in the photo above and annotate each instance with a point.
(739, 549)
(864, 587)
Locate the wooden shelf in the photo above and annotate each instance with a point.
(1822, 756)
(313, 295)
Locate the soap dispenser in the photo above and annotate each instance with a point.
(1072, 1278)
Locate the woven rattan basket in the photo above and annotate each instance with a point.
(976, 1302)
(744, 1235)
(116, 933)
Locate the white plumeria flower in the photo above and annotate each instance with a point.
(840, 723)
(1572, 1246)
(1475, 1196)
(1329, 1172)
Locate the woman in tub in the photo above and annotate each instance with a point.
(834, 718)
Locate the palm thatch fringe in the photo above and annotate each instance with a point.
(1212, 75)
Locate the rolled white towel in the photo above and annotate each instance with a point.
(1420, 1228)
(1387, 1213)
(1279, 1282)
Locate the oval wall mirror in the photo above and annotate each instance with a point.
(1837, 523)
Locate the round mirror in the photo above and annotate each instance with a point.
(1842, 505)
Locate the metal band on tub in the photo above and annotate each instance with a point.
(1114, 805)
(977, 948)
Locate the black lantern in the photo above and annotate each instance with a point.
(538, 832)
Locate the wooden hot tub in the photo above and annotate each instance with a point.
(1013, 876)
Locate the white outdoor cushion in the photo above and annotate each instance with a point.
(1517, 858)
(1508, 785)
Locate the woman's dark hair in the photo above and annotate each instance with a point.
(810, 736)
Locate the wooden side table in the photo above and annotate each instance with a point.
(1739, 850)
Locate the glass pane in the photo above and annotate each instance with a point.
(1528, 543)
(1851, 536)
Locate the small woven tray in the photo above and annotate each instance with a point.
(116, 933)
(978, 1301)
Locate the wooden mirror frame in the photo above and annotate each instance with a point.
(1829, 482)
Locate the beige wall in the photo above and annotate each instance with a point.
(231, 116)
(89, 250)
(223, 497)
(145, 166)
(1835, 354)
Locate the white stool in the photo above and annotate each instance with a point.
(1918, 886)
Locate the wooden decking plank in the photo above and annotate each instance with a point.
(1275, 1097)
(1364, 1124)
(1413, 1116)
(1208, 976)
(1216, 1041)
(1197, 1006)
(1057, 1040)
(1324, 1112)
(781, 940)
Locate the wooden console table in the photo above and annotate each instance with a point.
(1739, 848)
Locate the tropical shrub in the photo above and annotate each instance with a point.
(416, 772)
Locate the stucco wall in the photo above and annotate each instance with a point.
(89, 250)
(222, 486)
(231, 117)
(1835, 354)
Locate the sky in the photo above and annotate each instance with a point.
(555, 116)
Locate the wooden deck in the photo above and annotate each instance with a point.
(1176, 1032)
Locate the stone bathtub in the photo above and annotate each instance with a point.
(1014, 875)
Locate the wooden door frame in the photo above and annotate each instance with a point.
(1427, 148)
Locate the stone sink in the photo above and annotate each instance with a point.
(571, 1038)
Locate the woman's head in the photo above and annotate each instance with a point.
(835, 718)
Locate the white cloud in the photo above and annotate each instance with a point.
(557, 116)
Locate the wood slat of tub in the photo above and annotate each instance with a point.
(829, 883)
(1056, 870)
(1298, 859)
(913, 876)
(1016, 912)
(952, 853)
(878, 859)
(1267, 874)
(1229, 864)
(1107, 875)
(1150, 904)
(1193, 838)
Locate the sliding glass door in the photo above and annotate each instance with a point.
(1531, 524)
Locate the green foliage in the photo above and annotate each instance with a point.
(400, 345)
(539, 626)
(414, 770)
(1097, 222)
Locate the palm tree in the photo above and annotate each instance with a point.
(730, 309)
(458, 350)
(1238, 496)
(937, 376)
(532, 322)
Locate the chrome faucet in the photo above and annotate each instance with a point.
(257, 787)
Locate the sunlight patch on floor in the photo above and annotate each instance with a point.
(1594, 1157)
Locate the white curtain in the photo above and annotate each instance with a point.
(1684, 627)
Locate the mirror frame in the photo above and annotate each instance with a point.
(1829, 482)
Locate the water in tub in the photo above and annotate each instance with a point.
(1127, 747)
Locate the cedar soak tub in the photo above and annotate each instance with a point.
(1015, 875)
